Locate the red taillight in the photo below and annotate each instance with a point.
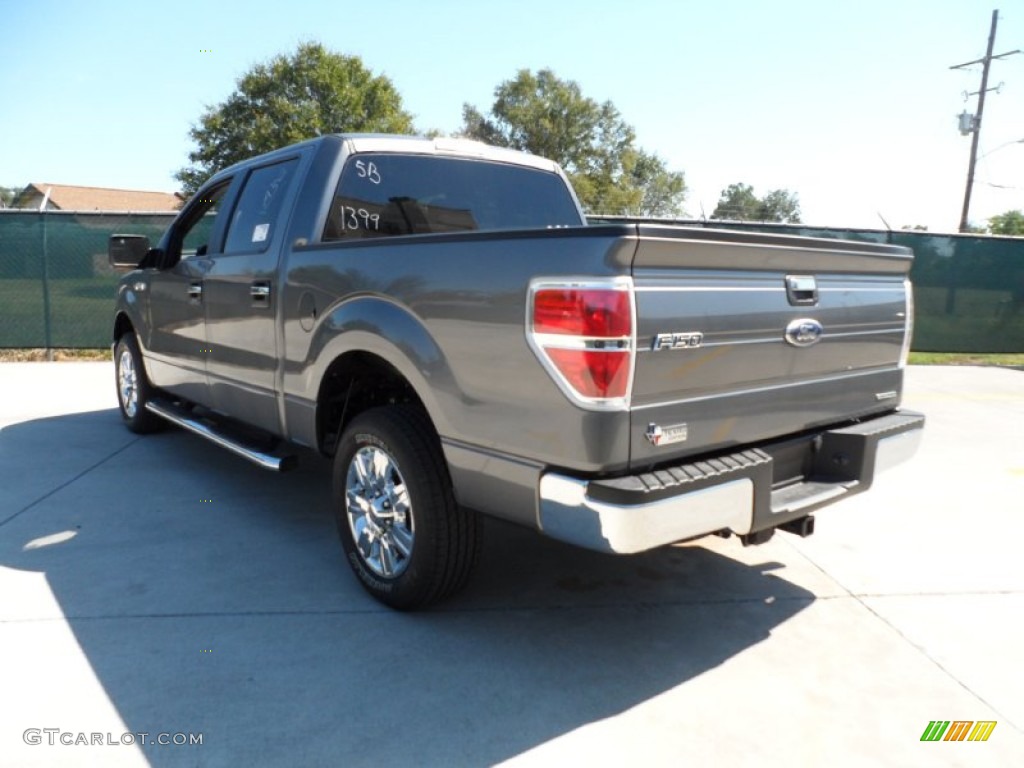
(584, 336)
(593, 374)
(582, 312)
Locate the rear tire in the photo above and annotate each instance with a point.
(408, 542)
(133, 388)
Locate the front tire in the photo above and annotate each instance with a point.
(404, 536)
(133, 388)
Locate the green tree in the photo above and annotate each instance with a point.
(1008, 223)
(7, 195)
(663, 190)
(288, 99)
(739, 202)
(550, 117)
(780, 205)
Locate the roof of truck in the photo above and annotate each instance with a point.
(415, 145)
(442, 145)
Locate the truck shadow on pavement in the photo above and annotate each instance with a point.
(209, 596)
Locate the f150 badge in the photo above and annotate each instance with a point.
(677, 341)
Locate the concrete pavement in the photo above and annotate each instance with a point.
(159, 585)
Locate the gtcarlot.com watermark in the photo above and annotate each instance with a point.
(55, 736)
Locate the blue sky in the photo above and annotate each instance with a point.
(850, 105)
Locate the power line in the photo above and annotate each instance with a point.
(975, 126)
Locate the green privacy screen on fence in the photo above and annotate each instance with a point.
(57, 290)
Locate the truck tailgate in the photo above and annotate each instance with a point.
(744, 337)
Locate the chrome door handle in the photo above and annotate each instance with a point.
(195, 291)
(260, 293)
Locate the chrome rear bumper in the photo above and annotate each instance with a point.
(735, 492)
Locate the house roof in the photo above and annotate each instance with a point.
(71, 198)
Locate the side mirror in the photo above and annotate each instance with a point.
(127, 251)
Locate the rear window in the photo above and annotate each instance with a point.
(387, 195)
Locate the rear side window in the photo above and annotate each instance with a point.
(258, 210)
(387, 195)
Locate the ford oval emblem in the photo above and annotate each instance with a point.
(804, 332)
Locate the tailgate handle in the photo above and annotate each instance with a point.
(802, 290)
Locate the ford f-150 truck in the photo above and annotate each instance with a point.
(438, 317)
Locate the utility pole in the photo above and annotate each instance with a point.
(976, 127)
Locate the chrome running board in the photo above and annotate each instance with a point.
(186, 421)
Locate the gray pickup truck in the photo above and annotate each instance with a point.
(437, 316)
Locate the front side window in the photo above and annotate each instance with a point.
(382, 195)
(258, 212)
(193, 234)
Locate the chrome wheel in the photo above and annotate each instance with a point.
(128, 383)
(133, 388)
(378, 511)
(404, 537)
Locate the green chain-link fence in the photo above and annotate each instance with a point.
(57, 290)
(56, 287)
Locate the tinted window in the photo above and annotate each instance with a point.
(382, 195)
(193, 233)
(257, 213)
(199, 236)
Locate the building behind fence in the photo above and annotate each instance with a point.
(57, 290)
